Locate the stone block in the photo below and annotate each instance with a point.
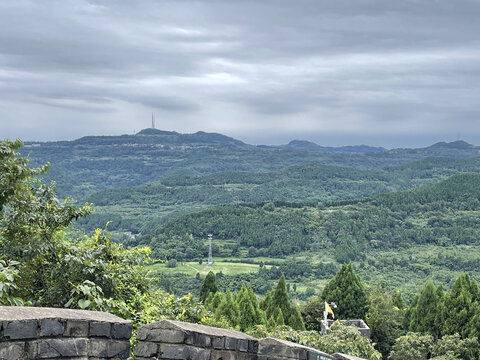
(242, 345)
(196, 339)
(122, 331)
(21, 329)
(223, 355)
(55, 348)
(230, 343)
(100, 329)
(183, 352)
(161, 335)
(77, 328)
(145, 349)
(253, 346)
(12, 351)
(107, 348)
(51, 327)
(247, 356)
(218, 342)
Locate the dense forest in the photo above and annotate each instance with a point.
(139, 208)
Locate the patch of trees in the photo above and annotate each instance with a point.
(442, 214)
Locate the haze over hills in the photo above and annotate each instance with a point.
(89, 164)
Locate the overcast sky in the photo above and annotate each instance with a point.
(389, 73)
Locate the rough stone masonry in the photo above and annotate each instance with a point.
(59, 334)
(48, 333)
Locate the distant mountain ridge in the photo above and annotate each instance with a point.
(89, 164)
(311, 146)
(151, 136)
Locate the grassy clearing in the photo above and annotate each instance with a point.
(191, 268)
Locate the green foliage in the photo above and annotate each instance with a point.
(461, 306)
(347, 292)
(415, 346)
(229, 310)
(385, 319)
(250, 312)
(8, 274)
(277, 307)
(412, 346)
(295, 320)
(425, 315)
(209, 286)
(343, 339)
(453, 347)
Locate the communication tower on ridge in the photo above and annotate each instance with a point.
(153, 122)
(210, 258)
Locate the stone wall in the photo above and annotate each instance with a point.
(170, 339)
(62, 334)
(47, 333)
(271, 348)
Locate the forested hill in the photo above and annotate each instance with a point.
(442, 214)
(137, 208)
(90, 164)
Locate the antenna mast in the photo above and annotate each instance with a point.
(153, 122)
(210, 258)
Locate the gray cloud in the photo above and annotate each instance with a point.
(335, 71)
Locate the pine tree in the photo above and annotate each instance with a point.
(209, 285)
(271, 324)
(295, 320)
(228, 309)
(280, 298)
(461, 302)
(423, 316)
(250, 312)
(213, 300)
(260, 318)
(347, 291)
(278, 316)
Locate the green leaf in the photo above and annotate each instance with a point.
(83, 304)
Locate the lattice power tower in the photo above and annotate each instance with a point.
(210, 258)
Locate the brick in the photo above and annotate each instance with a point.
(196, 339)
(20, 329)
(145, 349)
(77, 328)
(51, 327)
(218, 343)
(183, 352)
(122, 331)
(242, 345)
(253, 346)
(12, 351)
(54, 348)
(223, 355)
(230, 343)
(106, 348)
(100, 329)
(161, 335)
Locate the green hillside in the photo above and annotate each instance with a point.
(90, 164)
(403, 237)
(143, 207)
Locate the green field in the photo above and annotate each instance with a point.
(192, 268)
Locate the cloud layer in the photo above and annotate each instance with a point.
(334, 71)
